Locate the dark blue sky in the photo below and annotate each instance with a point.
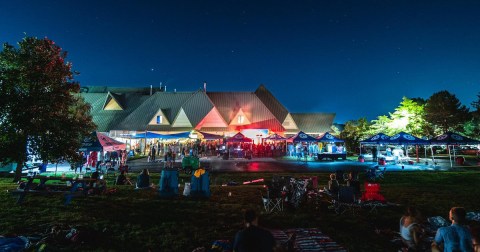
(354, 58)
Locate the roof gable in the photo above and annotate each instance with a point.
(212, 119)
(230, 103)
(112, 102)
(164, 120)
(240, 118)
(169, 103)
(289, 123)
(197, 107)
(181, 120)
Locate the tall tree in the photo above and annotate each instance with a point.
(354, 132)
(445, 112)
(472, 127)
(408, 117)
(41, 112)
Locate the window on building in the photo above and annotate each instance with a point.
(240, 119)
(159, 119)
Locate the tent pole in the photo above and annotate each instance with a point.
(433, 155)
(449, 156)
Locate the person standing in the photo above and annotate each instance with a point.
(374, 154)
(253, 238)
(456, 237)
(153, 153)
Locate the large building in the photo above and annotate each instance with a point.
(121, 111)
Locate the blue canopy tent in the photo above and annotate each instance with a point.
(406, 139)
(145, 135)
(451, 139)
(176, 136)
(329, 138)
(302, 137)
(162, 136)
(208, 136)
(379, 138)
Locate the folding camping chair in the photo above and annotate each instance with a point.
(273, 201)
(372, 198)
(346, 200)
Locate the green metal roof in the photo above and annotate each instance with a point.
(229, 103)
(197, 107)
(277, 109)
(170, 103)
(313, 123)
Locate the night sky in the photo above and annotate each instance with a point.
(354, 58)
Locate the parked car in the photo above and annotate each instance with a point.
(469, 150)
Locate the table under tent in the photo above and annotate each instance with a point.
(235, 146)
(451, 139)
(97, 144)
(377, 140)
(300, 138)
(405, 139)
(277, 138)
(333, 152)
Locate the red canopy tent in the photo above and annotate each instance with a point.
(110, 144)
(239, 138)
(100, 142)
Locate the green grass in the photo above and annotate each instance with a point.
(131, 220)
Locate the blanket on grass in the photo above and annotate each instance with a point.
(307, 239)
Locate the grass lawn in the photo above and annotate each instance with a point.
(129, 220)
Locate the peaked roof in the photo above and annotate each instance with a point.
(181, 120)
(170, 103)
(275, 107)
(107, 120)
(313, 123)
(197, 107)
(229, 103)
(235, 118)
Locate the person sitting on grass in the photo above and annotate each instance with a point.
(252, 237)
(97, 184)
(143, 180)
(333, 184)
(122, 179)
(456, 237)
(410, 230)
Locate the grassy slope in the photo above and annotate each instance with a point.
(138, 220)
